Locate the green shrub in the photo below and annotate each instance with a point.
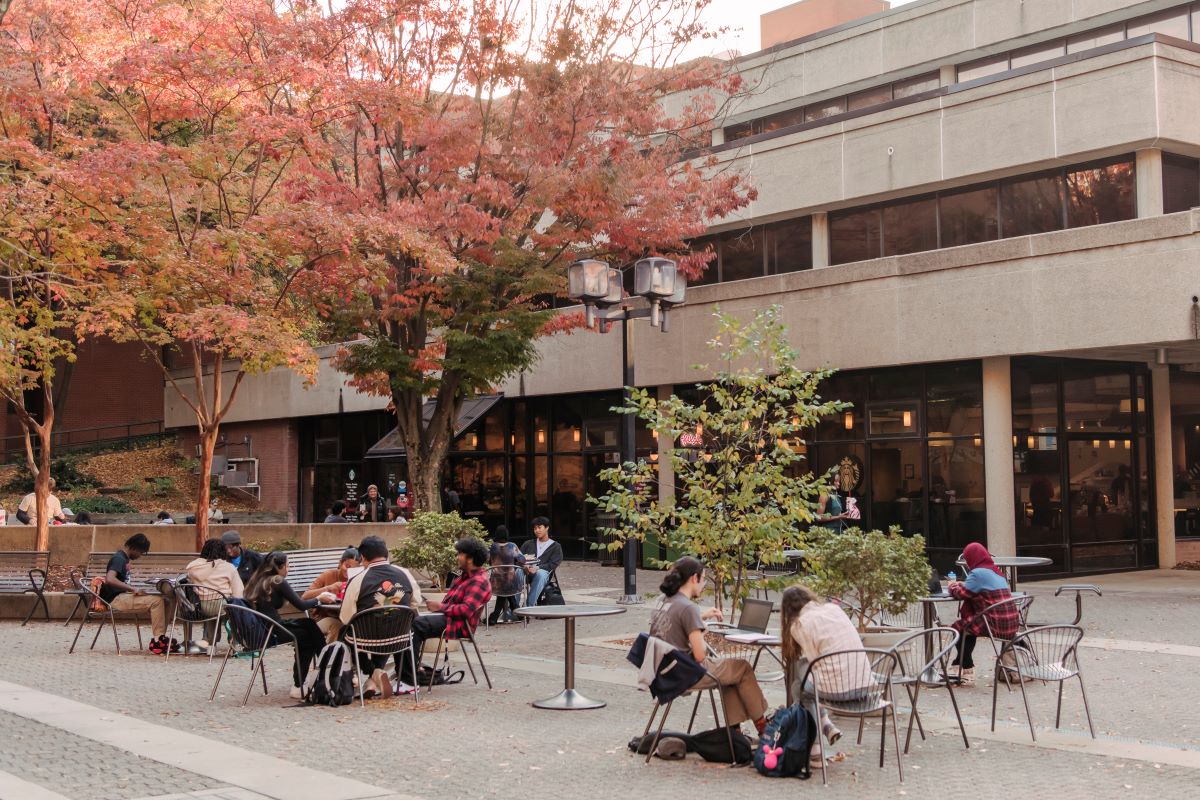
(877, 571)
(264, 546)
(429, 548)
(101, 504)
(66, 471)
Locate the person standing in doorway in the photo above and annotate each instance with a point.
(374, 507)
(546, 554)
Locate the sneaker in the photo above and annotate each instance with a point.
(814, 760)
(296, 693)
(380, 679)
(175, 646)
(832, 733)
(967, 677)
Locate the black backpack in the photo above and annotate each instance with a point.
(785, 745)
(331, 681)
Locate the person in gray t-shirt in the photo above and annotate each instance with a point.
(679, 622)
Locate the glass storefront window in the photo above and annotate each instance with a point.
(1035, 398)
(898, 486)
(742, 255)
(957, 514)
(893, 419)
(850, 463)
(954, 399)
(849, 423)
(568, 509)
(910, 227)
(1102, 496)
(1039, 505)
(969, 217)
(1031, 205)
(1097, 399)
(1101, 194)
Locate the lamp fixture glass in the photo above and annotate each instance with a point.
(654, 278)
(587, 280)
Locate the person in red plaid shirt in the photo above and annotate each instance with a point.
(458, 612)
(985, 585)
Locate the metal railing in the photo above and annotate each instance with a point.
(13, 447)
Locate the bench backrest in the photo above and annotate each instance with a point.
(305, 565)
(148, 568)
(15, 566)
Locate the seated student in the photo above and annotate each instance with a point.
(163, 518)
(379, 583)
(212, 570)
(337, 512)
(117, 592)
(266, 592)
(507, 584)
(548, 555)
(458, 611)
(985, 585)
(679, 622)
(246, 561)
(332, 581)
(813, 628)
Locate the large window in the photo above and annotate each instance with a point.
(1181, 183)
(771, 249)
(1080, 474)
(910, 451)
(1089, 194)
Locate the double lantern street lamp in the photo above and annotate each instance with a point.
(601, 290)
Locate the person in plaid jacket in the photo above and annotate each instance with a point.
(985, 585)
(457, 614)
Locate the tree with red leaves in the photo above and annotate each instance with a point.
(483, 148)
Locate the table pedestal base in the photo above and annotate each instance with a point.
(569, 700)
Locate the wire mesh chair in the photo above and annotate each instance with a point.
(997, 635)
(507, 580)
(767, 574)
(923, 657)
(443, 646)
(755, 618)
(195, 604)
(912, 617)
(854, 683)
(1048, 654)
(251, 634)
(382, 631)
(96, 607)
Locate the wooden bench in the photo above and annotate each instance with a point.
(24, 572)
(146, 570)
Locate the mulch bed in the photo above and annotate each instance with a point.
(1192, 565)
(59, 576)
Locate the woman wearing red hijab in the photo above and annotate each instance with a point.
(985, 584)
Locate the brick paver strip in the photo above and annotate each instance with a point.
(14, 788)
(222, 762)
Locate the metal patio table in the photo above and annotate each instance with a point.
(569, 699)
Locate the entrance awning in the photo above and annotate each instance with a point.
(391, 446)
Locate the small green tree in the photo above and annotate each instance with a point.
(747, 495)
(429, 547)
(878, 571)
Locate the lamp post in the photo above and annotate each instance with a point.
(600, 288)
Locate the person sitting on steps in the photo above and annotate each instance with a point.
(546, 554)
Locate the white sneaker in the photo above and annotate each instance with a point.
(967, 677)
(296, 693)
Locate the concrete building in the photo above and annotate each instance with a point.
(984, 212)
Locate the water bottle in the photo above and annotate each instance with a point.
(951, 576)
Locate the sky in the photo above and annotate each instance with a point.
(741, 16)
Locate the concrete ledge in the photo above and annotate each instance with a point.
(70, 544)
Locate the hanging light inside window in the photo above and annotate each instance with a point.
(541, 436)
(1031, 443)
(1095, 444)
(1112, 444)
(978, 442)
(907, 418)
(513, 440)
(1014, 441)
(1128, 444)
(575, 435)
(654, 433)
(848, 420)
(474, 441)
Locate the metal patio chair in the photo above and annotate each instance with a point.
(709, 684)
(195, 604)
(851, 698)
(1021, 603)
(96, 607)
(443, 646)
(1049, 653)
(923, 658)
(382, 631)
(251, 634)
(503, 574)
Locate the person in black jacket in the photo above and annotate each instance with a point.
(266, 592)
(245, 561)
(546, 555)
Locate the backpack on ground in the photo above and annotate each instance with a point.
(784, 748)
(331, 681)
(442, 676)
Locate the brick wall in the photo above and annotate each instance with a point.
(275, 443)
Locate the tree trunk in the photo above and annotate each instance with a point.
(41, 489)
(208, 444)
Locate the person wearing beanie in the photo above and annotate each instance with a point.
(244, 561)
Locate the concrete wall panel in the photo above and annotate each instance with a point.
(854, 59)
(1127, 97)
(887, 157)
(998, 132)
(928, 37)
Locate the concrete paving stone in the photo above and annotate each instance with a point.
(79, 768)
(466, 741)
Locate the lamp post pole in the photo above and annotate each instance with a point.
(600, 287)
(628, 453)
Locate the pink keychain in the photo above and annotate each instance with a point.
(772, 757)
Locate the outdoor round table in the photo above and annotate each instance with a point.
(569, 699)
(1010, 564)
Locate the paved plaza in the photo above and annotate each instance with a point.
(95, 725)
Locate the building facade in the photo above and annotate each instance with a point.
(984, 214)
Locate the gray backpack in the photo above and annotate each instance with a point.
(331, 681)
